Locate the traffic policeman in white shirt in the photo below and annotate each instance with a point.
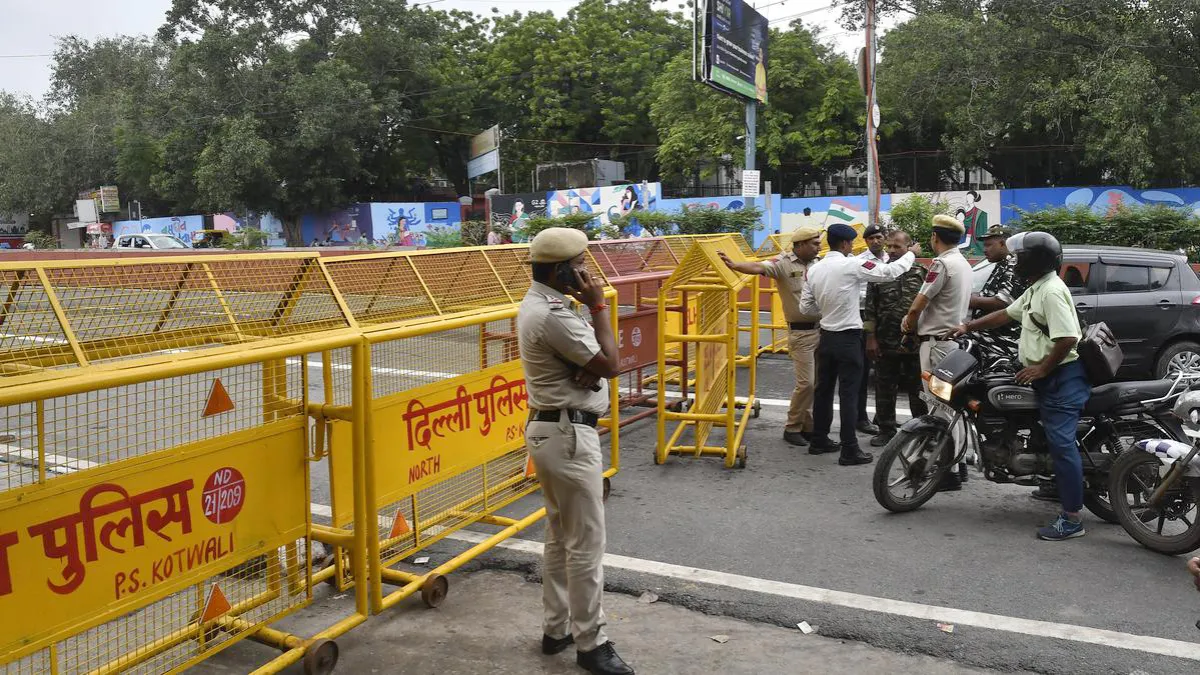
(942, 305)
(876, 251)
(564, 361)
(833, 289)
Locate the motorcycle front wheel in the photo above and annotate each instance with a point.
(908, 471)
(1171, 527)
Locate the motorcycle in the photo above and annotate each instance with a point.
(996, 428)
(1160, 483)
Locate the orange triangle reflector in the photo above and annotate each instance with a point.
(530, 469)
(399, 526)
(216, 605)
(218, 400)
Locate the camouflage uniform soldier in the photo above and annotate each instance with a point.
(898, 361)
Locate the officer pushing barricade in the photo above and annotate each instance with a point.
(940, 307)
(896, 356)
(565, 362)
(790, 272)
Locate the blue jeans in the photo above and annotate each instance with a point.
(1061, 398)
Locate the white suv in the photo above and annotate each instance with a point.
(148, 241)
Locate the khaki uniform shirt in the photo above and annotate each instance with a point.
(555, 341)
(790, 275)
(1048, 301)
(948, 289)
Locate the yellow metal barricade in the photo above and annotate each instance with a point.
(154, 503)
(715, 288)
(155, 514)
(446, 420)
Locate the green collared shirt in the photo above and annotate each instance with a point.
(1047, 301)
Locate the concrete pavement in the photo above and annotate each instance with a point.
(494, 627)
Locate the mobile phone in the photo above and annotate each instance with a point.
(565, 274)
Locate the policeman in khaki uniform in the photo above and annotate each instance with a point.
(942, 305)
(897, 361)
(790, 272)
(565, 362)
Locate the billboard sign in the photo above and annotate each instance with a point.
(110, 199)
(735, 46)
(485, 142)
(482, 164)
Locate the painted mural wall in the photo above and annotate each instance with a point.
(405, 223)
(605, 202)
(180, 227)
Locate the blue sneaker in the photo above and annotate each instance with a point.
(1061, 529)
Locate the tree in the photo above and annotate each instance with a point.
(813, 116)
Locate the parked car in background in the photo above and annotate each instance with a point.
(1150, 300)
(148, 241)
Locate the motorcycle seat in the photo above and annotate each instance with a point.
(1109, 396)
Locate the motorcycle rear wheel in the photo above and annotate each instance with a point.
(1124, 435)
(913, 452)
(1135, 475)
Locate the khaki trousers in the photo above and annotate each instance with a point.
(802, 346)
(570, 468)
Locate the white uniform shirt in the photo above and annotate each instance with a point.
(867, 255)
(835, 283)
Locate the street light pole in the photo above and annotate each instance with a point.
(872, 151)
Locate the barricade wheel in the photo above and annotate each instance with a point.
(321, 657)
(756, 410)
(741, 457)
(607, 489)
(434, 590)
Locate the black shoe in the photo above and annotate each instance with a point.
(865, 427)
(855, 457)
(1046, 492)
(950, 482)
(552, 646)
(603, 660)
(795, 438)
(962, 472)
(823, 448)
(883, 439)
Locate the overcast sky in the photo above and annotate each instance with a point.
(29, 27)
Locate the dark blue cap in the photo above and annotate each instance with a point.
(840, 232)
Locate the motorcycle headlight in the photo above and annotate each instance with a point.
(940, 388)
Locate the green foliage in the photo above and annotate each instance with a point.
(248, 239)
(443, 236)
(41, 240)
(914, 215)
(1151, 226)
(972, 78)
(588, 222)
(474, 232)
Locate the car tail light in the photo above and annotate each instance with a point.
(1196, 300)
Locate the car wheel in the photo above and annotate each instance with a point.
(1176, 358)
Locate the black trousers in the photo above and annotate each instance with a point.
(840, 365)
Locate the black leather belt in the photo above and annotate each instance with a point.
(929, 338)
(802, 325)
(576, 416)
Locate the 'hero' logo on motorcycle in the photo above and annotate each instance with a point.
(1009, 397)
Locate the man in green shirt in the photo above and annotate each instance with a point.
(1049, 334)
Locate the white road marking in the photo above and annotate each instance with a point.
(32, 338)
(60, 464)
(769, 402)
(384, 371)
(962, 617)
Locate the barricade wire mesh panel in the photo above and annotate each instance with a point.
(37, 663)
(460, 281)
(108, 425)
(408, 363)
(455, 503)
(278, 296)
(500, 338)
(264, 587)
(381, 290)
(512, 266)
(634, 256)
(28, 327)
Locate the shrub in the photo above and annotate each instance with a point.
(41, 239)
(1151, 226)
(914, 215)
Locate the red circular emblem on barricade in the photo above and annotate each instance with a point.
(223, 495)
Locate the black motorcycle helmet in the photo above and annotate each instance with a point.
(1038, 253)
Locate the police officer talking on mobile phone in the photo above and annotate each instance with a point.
(566, 361)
